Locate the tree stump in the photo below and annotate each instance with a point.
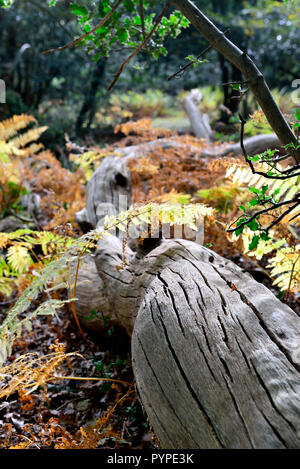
(199, 122)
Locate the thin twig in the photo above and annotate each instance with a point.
(80, 378)
(147, 39)
(72, 295)
(142, 19)
(79, 39)
(290, 209)
(266, 210)
(182, 69)
(250, 163)
(273, 205)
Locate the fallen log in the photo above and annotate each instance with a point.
(254, 145)
(111, 182)
(216, 356)
(213, 350)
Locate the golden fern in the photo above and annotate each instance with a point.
(263, 247)
(88, 161)
(149, 214)
(12, 144)
(30, 371)
(28, 137)
(286, 269)
(6, 286)
(12, 325)
(20, 254)
(10, 127)
(19, 258)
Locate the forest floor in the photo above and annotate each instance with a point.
(84, 413)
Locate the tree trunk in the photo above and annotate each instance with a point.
(89, 104)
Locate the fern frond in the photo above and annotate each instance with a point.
(28, 137)
(241, 175)
(173, 197)
(10, 127)
(6, 286)
(30, 371)
(172, 214)
(11, 327)
(19, 258)
(88, 161)
(6, 238)
(285, 265)
(286, 269)
(263, 247)
(33, 149)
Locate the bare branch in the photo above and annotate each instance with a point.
(267, 210)
(147, 39)
(273, 205)
(288, 172)
(182, 69)
(79, 39)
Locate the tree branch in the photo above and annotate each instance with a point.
(182, 69)
(267, 210)
(147, 39)
(79, 39)
(285, 174)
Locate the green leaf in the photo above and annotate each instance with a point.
(253, 225)
(239, 231)
(264, 236)
(253, 202)
(254, 190)
(79, 10)
(123, 35)
(254, 243)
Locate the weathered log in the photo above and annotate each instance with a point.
(213, 350)
(254, 145)
(10, 224)
(215, 354)
(91, 303)
(199, 122)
